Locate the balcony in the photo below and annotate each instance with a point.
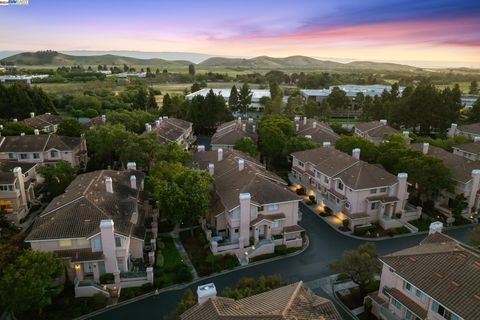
(388, 314)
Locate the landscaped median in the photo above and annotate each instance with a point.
(169, 267)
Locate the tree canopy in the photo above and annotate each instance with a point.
(246, 145)
(58, 176)
(70, 127)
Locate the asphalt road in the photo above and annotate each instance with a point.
(326, 245)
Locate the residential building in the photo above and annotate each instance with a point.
(46, 122)
(44, 149)
(470, 151)
(229, 133)
(293, 301)
(374, 131)
(436, 280)
(22, 77)
(465, 174)
(97, 225)
(318, 131)
(17, 180)
(90, 123)
(352, 189)
(172, 130)
(250, 206)
(469, 130)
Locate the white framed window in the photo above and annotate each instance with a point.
(348, 205)
(23, 156)
(54, 154)
(384, 189)
(118, 242)
(273, 207)
(253, 212)
(96, 244)
(373, 191)
(301, 164)
(441, 310)
(373, 206)
(340, 185)
(36, 155)
(11, 155)
(276, 223)
(396, 304)
(121, 264)
(325, 179)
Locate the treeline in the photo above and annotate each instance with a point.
(18, 100)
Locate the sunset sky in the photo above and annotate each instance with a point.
(441, 32)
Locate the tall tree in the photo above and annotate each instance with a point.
(295, 144)
(294, 106)
(474, 112)
(58, 176)
(233, 99)
(246, 145)
(151, 101)
(473, 87)
(70, 127)
(244, 98)
(338, 99)
(191, 69)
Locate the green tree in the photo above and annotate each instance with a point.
(360, 264)
(338, 99)
(275, 90)
(246, 145)
(195, 87)
(273, 133)
(70, 127)
(15, 129)
(244, 98)
(233, 99)
(311, 109)
(26, 283)
(58, 176)
(458, 205)
(298, 143)
(294, 106)
(191, 69)
(151, 103)
(473, 87)
(368, 150)
(474, 112)
(274, 106)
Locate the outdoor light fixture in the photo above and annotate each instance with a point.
(253, 247)
(77, 267)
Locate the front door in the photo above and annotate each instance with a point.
(261, 232)
(88, 270)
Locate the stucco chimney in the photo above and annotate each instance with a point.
(406, 134)
(254, 128)
(296, 119)
(32, 114)
(383, 121)
(425, 147)
(356, 153)
(108, 245)
(326, 144)
(241, 164)
(200, 148)
(36, 132)
(250, 119)
(308, 136)
(475, 188)
(402, 186)
(245, 212)
(104, 118)
(436, 226)
(134, 218)
(219, 154)
(148, 127)
(314, 124)
(239, 120)
(131, 166)
(109, 184)
(133, 181)
(205, 292)
(453, 130)
(157, 123)
(304, 120)
(244, 127)
(17, 172)
(211, 169)
(22, 134)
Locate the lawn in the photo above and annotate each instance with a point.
(375, 230)
(169, 267)
(280, 250)
(202, 258)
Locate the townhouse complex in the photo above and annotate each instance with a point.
(228, 133)
(373, 131)
(318, 131)
(172, 130)
(469, 130)
(46, 122)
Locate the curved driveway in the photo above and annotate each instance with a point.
(326, 245)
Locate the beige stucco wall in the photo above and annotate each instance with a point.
(54, 245)
(136, 248)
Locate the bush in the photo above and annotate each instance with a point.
(159, 260)
(107, 278)
(182, 274)
(363, 230)
(328, 210)
(281, 249)
(312, 199)
(160, 244)
(99, 300)
(343, 277)
(346, 223)
(300, 191)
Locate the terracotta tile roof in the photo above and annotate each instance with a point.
(472, 147)
(445, 270)
(293, 301)
(470, 128)
(264, 187)
(407, 302)
(79, 255)
(269, 217)
(42, 121)
(77, 213)
(228, 133)
(294, 228)
(460, 168)
(39, 143)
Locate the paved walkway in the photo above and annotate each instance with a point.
(185, 257)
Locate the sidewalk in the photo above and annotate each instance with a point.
(185, 258)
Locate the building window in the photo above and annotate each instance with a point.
(414, 291)
(383, 190)
(438, 308)
(325, 179)
(373, 206)
(276, 223)
(273, 207)
(96, 244)
(236, 230)
(340, 185)
(301, 164)
(118, 242)
(373, 191)
(65, 243)
(11, 155)
(53, 154)
(121, 264)
(6, 187)
(23, 156)
(396, 304)
(410, 316)
(36, 155)
(253, 212)
(348, 205)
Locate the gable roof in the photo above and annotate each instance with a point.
(470, 128)
(264, 187)
(42, 121)
(293, 301)
(170, 129)
(444, 269)
(460, 168)
(77, 213)
(321, 133)
(39, 143)
(472, 147)
(229, 132)
(354, 173)
(375, 129)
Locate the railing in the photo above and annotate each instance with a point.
(227, 243)
(130, 275)
(388, 314)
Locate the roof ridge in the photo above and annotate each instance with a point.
(46, 142)
(299, 285)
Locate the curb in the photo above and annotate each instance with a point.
(411, 234)
(182, 286)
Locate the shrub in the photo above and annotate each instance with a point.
(281, 249)
(343, 277)
(328, 210)
(312, 199)
(363, 230)
(159, 260)
(182, 274)
(107, 278)
(346, 223)
(300, 191)
(99, 300)
(160, 244)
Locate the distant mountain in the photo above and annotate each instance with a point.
(53, 58)
(188, 56)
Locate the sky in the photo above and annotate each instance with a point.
(429, 32)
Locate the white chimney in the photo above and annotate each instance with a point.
(36, 132)
(200, 148)
(15, 120)
(297, 127)
(22, 134)
(304, 121)
(211, 169)
(219, 154)
(425, 147)
(296, 119)
(131, 166)
(165, 117)
(133, 182)
(436, 226)
(48, 113)
(308, 136)
(254, 128)
(241, 164)
(476, 139)
(205, 292)
(32, 114)
(17, 172)
(239, 120)
(109, 184)
(104, 118)
(244, 127)
(326, 144)
(134, 218)
(406, 134)
(148, 127)
(475, 187)
(157, 123)
(356, 153)
(250, 119)
(107, 236)
(402, 185)
(453, 130)
(383, 121)
(314, 124)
